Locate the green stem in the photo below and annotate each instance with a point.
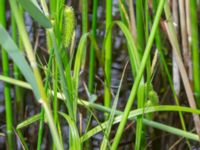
(123, 17)
(140, 26)
(18, 92)
(92, 50)
(195, 50)
(7, 96)
(84, 25)
(55, 100)
(108, 54)
(40, 130)
(84, 16)
(138, 77)
(53, 7)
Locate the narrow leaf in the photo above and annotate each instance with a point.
(28, 121)
(19, 59)
(33, 9)
(75, 142)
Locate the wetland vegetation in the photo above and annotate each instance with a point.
(91, 74)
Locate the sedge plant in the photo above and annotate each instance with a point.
(62, 74)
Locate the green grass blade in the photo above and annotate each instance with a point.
(16, 82)
(139, 125)
(77, 66)
(33, 9)
(28, 121)
(92, 49)
(105, 141)
(21, 139)
(84, 4)
(172, 130)
(123, 12)
(68, 101)
(195, 49)
(133, 53)
(140, 24)
(75, 142)
(78, 59)
(133, 114)
(19, 59)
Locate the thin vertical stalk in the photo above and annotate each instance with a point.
(139, 125)
(40, 130)
(55, 99)
(92, 59)
(33, 63)
(7, 96)
(122, 14)
(189, 32)
(195, 50)
(84, 16)
(138, 77)
(84, 25)
(176, 75)
(92, 50)
(53, 7)
(140, 26)
(184, 40)
(108, 54)
(132, 19)
(147, 22)
(17, 74)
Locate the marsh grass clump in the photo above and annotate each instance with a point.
(113, 88)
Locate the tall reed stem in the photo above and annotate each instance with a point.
(84, 24)
(108, 54)
(140, 25)
(7, 96)
(92, 50)
(17, 74)
(195, 50)
(184, 40)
